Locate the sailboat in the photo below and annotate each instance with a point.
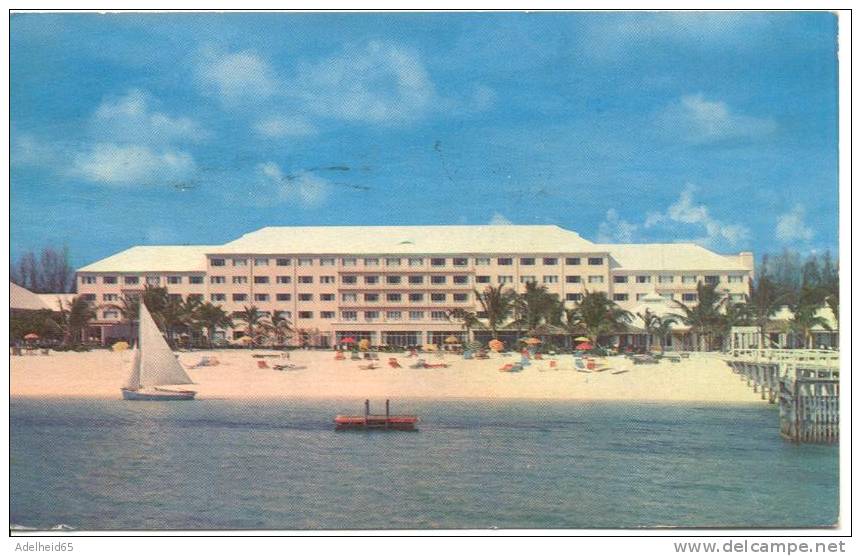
(154, 365)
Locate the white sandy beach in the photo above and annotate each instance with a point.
(100, 374)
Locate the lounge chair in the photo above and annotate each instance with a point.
(289, 367)
(419, 364)
(261, 364)
(393, 363)
(340, 356)
(436, 365)
(369, 366)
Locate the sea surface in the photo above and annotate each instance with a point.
(217, 464)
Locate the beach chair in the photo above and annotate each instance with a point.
(369, 366)
(393, 363)
(355, 356)
(538, 357)
(436, 365)
(46, 351)
(507, 367)
(261, 364)
(339, 356)
(552, 363)
(580, 365)
(289, 367)
(419, 364)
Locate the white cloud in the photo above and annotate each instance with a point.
(686, 211)
(279, 126)
(131, 118)
(304, 188)
(699, 120)
(614, 229)
(129, 165)
(792, 227)
(237, 76)
(499, 220)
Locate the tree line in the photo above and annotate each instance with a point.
(49, 272)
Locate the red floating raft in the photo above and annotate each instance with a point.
(376, 422)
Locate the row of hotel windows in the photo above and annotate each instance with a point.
(346, 297)
(396, 261)
(150, 280)
(686, 279)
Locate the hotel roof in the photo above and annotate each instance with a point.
(23, 299)
(407, 240)
(668, 256)
(154, 258)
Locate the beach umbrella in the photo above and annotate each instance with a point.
(31, 336)
(581, 339)
(495, 345)
(452, 340)
(532, 341)
(364, 344)
(120, 346)
(584, 346)
(246, 339)
(429, 347)
(348, 340)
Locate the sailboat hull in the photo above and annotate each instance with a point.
(156, 395)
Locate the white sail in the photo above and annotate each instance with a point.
(158, 365)
(134, 381)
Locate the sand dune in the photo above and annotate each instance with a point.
(100, 374)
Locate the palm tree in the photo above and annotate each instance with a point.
(763, 302)
(211, 317)
(468, 319)
(278, 328)
(596, 316)
(662, 327)
(536, 306)
(804, 319)
(651, 321)
(496, 305)
(704, 318)
(73, 319)
(252, 317)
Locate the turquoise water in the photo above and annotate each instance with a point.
(215, 464)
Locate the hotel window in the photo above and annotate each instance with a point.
(595, 261)
(305, 261)
(417, 297)
(283, 279)
(327, 279)
(572, 261)
(644, 279)
(526, 279)
(217, 297)
(261, 297)
(240, 297)
(349, 261)
(261, 279)
(417, 279)
(504, 261)
(348, 315)
(641, 296)
(372, 279)
(505, 279)
(437, 262)
(393, 297)
(393, 315)
(89, 297)
(113, 279)
(417, 315)
(416, 261)
(306, 297)
(482, 279)
(620, 279)
(306, 314)
(88, 279)
(459, 261)
(439, 315)
(596, 279)
(460, 297)
(240, 279)
(283, 297)
(327, 314)
(735, 279)
(550, 261)
(372, 297)
(327, 297)
(689, 297)
(528, 261)
(174, 279)
(284, 314)
(438, 279)
(573, 296)
(130, 280)
(240, 262)
(306, 279)
(393, 261)
(572, 279)
(282, 262)
(372, 315)
(689, 279)
(551, 279)
(372, 262)
(216, 262)
(109, 297)
(111, 314)
(153, 280)
(349, 297)
(195, 279)
(438, 297)
(261, 261)
(174, 297)
(620, 297)
(349, 279)
(327, 261)
(712, 280)
(393, 279)
(482, 261)
(667, 296)
(665, 279)
(461, 279)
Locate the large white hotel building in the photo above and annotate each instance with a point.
(397, 284)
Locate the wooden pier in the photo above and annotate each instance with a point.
(376, 422)
(805, 384)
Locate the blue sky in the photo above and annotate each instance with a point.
(195, 128)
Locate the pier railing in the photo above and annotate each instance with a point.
(805, 384)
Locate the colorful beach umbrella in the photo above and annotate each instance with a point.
(581, 339)
(584, 346)
(532, 341)
(495, 345)
(364, 344)
(31, 336)
(348, 340)
(452, 340)
(120, 346)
